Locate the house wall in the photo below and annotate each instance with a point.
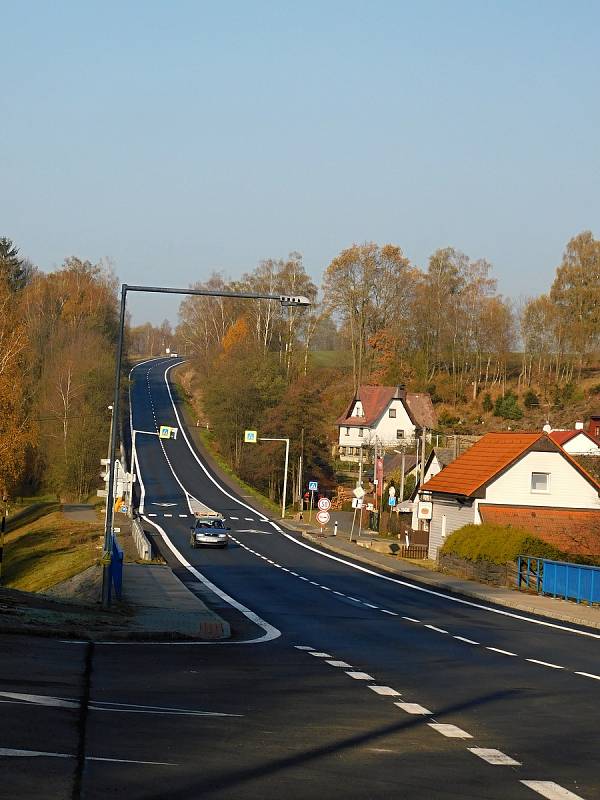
(568, 489)
(581, 446)
(456, 516)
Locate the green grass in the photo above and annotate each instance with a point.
(498, 544)
(49, 550)
(338, 359)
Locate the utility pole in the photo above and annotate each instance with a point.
(423, 440)
(402, 470)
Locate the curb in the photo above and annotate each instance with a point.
(467, 591)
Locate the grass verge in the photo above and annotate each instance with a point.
(48, 550)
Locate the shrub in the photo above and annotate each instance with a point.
(487, 402)
(508, 407)
(498, 544)
(448, 420)
(531, 399)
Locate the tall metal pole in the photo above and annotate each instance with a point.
(285, 475)
(110, 499)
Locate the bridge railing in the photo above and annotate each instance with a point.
(116, 568)
(563, 579)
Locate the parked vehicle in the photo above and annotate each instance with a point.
(209, 531)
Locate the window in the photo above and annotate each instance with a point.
(360, 431)
(347, 431)
(357, 451)
(540, 482)
(399, 434)
(392, 413)
(597, 430)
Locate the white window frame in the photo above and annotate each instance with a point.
(392, 413)
(541, 491)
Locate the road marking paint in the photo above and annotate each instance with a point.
(434, 628)
(360, 676)
(249, 519)
(314, 583)
(341, 594)
(320, 655)
(464, 639)
(302, 578)
(8, 751)
(303, 647)
(551, 790)
(183, 515)
(502, 652)
(153, 515)
(544, 663)
(41, 700)
(412, 619)
(131, 761)
(236, 518)
(391, 613)
(386, 691)
(167, 515)
(294, 573)
(285, 569)
(496, 757)
(413, 708)
(369, 605)
(451, 731)
(342, 664)
(589, 675)
(355, 599)
(327, 589)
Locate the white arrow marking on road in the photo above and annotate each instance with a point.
(41, 700)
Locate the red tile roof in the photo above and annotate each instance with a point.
(571, 530)
(376, 399)
(481, 462)
(562, 437)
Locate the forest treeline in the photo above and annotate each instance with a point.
(57, 342)
(445, 329)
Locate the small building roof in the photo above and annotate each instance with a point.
(376, 399)
(393, 461)
(571, 530)
(490, 456)
(562, 437)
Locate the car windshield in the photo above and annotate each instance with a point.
(210, 523)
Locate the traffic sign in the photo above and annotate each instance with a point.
(359, 492)
(322, 517)
(324, 504)
(357, 502)
(250, 436)
(313, 486)
(391, 500)
(392, 491)
(166, 432)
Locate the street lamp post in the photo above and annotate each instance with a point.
(287, 301)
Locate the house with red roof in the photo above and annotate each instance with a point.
(576, 442)
(388, 415)
(525, 480)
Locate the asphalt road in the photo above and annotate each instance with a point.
(340, 682)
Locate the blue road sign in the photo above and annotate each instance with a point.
(313, 486)
(391, 501)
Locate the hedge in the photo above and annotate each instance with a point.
(498, 544)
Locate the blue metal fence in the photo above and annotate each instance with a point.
(116, 568)
(560, 579)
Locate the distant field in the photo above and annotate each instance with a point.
(341, 359)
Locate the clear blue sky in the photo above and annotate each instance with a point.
(180, 137)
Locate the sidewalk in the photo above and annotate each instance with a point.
(563, 610)
(163, 606)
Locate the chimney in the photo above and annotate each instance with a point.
(400, 392)
(579, 426)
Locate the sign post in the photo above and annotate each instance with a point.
(322, 518)
(312, 488)
(251, 437)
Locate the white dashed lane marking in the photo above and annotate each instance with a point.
(451, 731)
(360, 676)
(502, 652)
(433, 628)
(544, 663)
(589, 675)
(495, 757)
(413, 708)
(386, 691)
(551, 790)
(303, 647)
(464, 639)
(342, 664)
(412, 619)
(320, 655)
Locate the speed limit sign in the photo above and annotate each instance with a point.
(324, 504)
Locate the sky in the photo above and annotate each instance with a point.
(176, 138)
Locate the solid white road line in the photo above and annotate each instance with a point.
(41, 700)
(342, 664)
(413, 708)
(502, 652)
(464, 639)
(544, 663)
(360, 676)
(451, 731)
(386, 691)
(495, 757)
(551, 790)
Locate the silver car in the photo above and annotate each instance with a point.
(209, 532)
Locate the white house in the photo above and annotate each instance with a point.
(576, 442)
(388, 415)
(525, 480)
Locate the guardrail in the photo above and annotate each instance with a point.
(142, 542)
(563, 579)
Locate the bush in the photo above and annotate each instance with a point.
(531, 399)
(448, 420)
(487, 402)
(508, 407)
(568, 393)
(498, 544)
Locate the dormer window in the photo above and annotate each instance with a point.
(540, 482)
